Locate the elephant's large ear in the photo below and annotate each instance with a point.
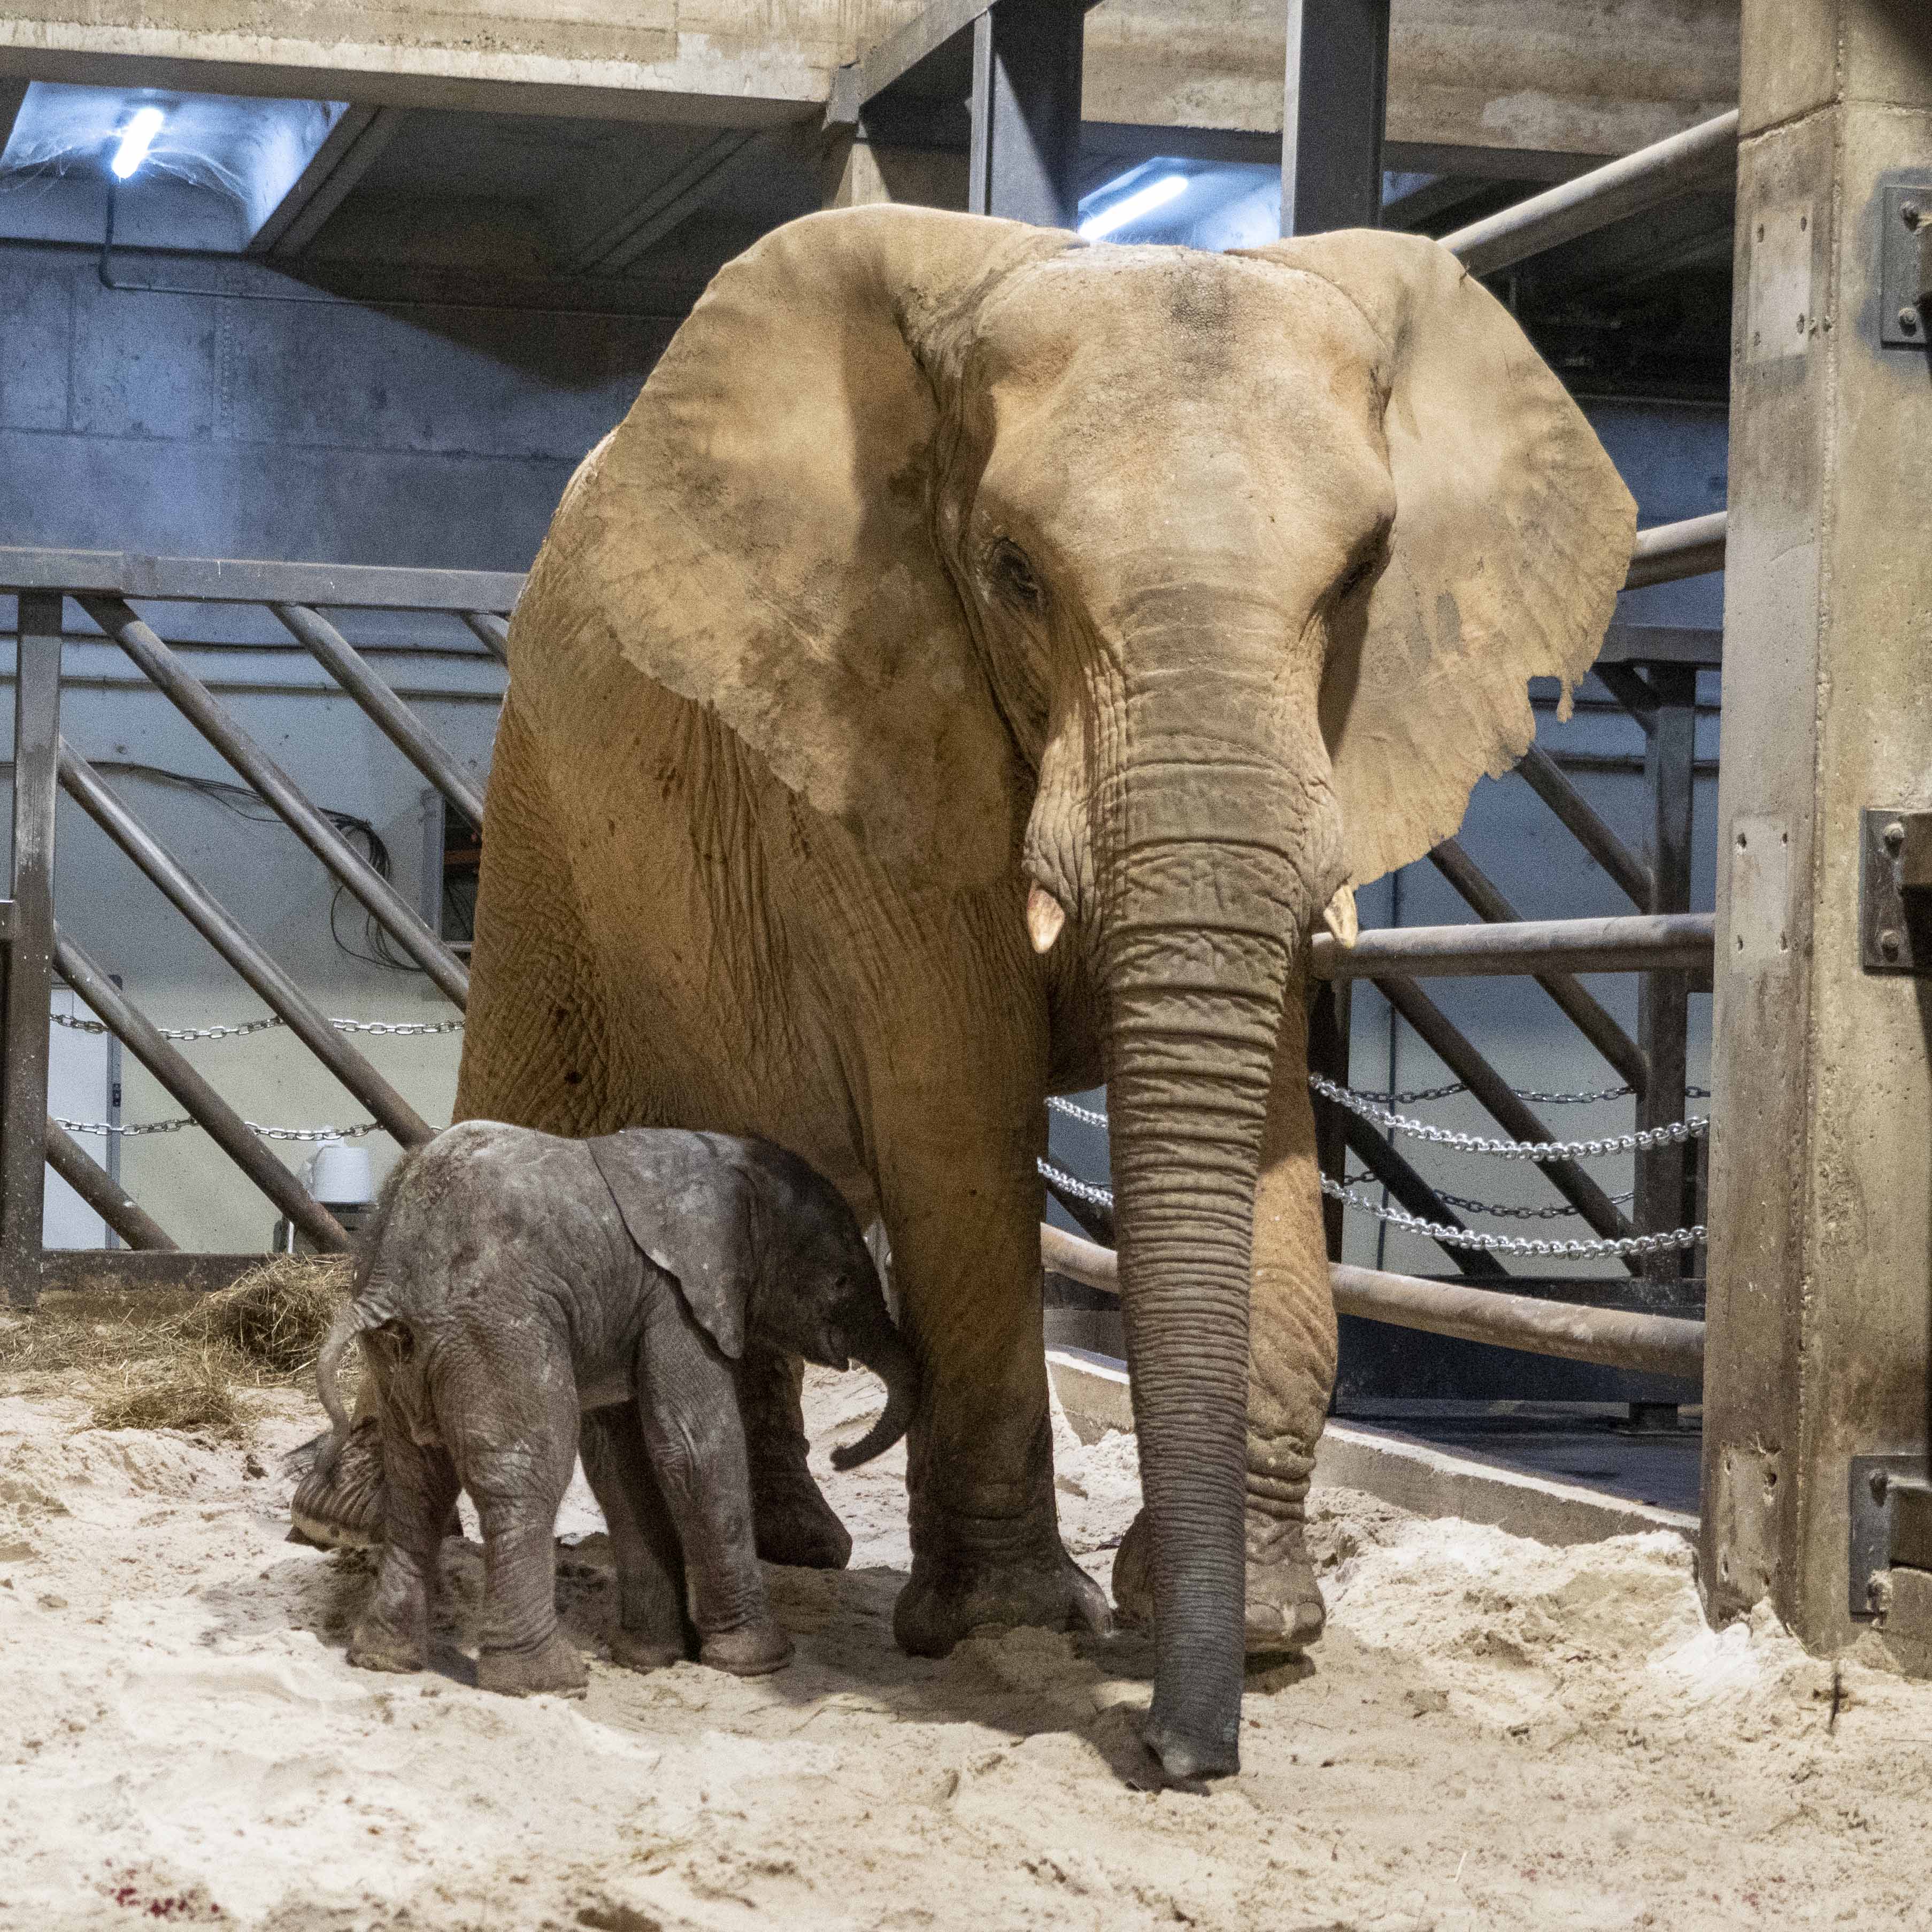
(1512, 537)
(689, 1207)
(756, 534)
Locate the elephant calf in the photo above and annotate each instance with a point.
(521, 1296)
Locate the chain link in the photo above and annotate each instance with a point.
(1502, 1213)
(1672, 1135)
(1075, 1111)
(1081, 1190)
(175, 1125)
(1514, 1244)
(75, 1024)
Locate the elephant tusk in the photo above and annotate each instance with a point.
(1045, 916)
(1340, 918)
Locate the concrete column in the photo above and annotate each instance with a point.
(858, 172)
(1821, 1167)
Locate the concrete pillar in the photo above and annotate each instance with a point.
(1821, 1166)
(858, 171)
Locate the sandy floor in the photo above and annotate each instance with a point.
(1492, 1733)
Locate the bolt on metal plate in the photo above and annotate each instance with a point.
(1905, 248)
(1879, 1482)
(1895, 892)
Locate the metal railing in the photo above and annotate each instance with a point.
(106, 585)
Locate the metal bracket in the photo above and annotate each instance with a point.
(1905, 257)
(1895, 892)
(1892, 1525)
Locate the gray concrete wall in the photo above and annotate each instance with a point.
(300, 428)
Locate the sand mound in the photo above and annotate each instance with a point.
(1493, 1733)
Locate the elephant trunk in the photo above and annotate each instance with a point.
(1225, 844)
(881, 1347)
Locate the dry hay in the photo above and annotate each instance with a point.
(275, 1316)
(172, 1359)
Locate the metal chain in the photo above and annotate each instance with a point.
(175, 1126)
(1672, 1135)
(1469, 1207)
(1414, 1096)
(75, 1024)
(1081, 1190)
(1512, 1244)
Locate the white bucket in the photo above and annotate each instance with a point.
(338, 1177)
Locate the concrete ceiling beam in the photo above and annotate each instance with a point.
(344, 158)
(1518, 79)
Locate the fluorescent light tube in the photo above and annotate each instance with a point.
(136, 138)
(1130, 208)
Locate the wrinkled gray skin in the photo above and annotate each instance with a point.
(510, 1316)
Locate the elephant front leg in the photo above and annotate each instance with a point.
(393, 1632)
(964, 1217)
(688, 1413)
(794, 1522)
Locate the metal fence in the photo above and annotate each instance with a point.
(107, 586)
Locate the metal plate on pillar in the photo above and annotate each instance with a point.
(1905, 236)
(1895, 892)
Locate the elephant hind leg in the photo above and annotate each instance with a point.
(537, 1044)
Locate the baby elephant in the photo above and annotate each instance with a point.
(517, 1290)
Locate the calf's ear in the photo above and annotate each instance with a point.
(689, 1207)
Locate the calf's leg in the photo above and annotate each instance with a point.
(393, 1632)
(653, 1626)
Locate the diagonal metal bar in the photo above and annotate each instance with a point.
(491, 632)
(1632, 690)
(1479, 892)
(1409, 1187)
(225, 933)
(1544, 777)
(230, 1132)
(194, 700)
(23, 1084)
(103, 1192)
(1492, 1092)
(391, 715)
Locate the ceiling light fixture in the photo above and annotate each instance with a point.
(1130, 208)
(136, 138)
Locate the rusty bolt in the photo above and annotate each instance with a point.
(1888, 942)
(1894, 835)
(1908, 320)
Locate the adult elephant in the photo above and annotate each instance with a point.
(968, 673)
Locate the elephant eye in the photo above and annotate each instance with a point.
(1016, 576)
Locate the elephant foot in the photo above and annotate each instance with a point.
(342, 1501)
(378, 1644)
(643, 1650)
(947, 1599)
(1285, 1612)
(756, 1650)
(1285, 1609)
(792, 1523)
(554, 1668)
